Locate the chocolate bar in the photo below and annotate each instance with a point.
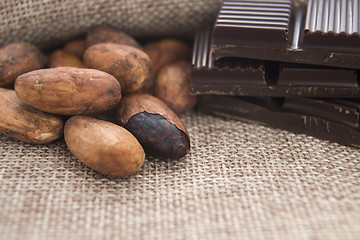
(250, 77)
(335, 120)
(320, 32)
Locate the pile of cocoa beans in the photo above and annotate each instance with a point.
(112, 99)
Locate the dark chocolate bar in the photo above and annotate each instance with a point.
(249, 77)
(320, 32)
(335, 120)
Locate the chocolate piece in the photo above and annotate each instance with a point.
(336, 120)
(310, 32)
(249, 77)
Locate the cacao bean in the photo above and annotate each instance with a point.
(172, 85)
(76, 47)
(18, 58)
(103, 34)
(154, 124)
(69, 90)
(60, 58)
(25, 123)
(129, 65)
(103, 146)
(166, 51)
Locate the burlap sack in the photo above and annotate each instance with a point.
(47, 22)
(239, 181)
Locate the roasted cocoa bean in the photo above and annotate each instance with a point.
(166, 51)
(172, 85)
(103, 146)
(25, 123)
(154, 124)
(60, 58)
(129, 65)
(76, 47)
(103, 34)
(68, 90)
(18, 58)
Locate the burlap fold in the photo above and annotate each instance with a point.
(51, 22)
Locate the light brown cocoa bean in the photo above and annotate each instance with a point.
(25, 123)
(103, 146)
(69, 90)
(166, 51)
(60, 58)
(76, 47)
(18, 58)
(172, 85)
(104, 34)
(129, 65)
(159, 130)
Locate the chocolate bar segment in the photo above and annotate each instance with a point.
(333, 24)
(249, 77)
(271, 17)
(309, 32)
(335, 120)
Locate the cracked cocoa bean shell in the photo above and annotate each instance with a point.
(129, 65)
(103, 146)
(69, 90)
(18, 58)
(172, 85)
(25, 123)
(159, 130)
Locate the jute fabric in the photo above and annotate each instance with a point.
(50, 22)
(239, 181)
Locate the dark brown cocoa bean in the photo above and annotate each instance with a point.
(154, 124)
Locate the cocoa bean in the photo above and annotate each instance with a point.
(103, 34)
(18, 58)
(25, 123)
(69, 90)
(76, 47)
(166, 51)
(60, 58)
(154, 124)
(129, 65)
(103, 146)
(172, 85)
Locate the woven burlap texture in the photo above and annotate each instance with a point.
(48, 22)
(239, 181)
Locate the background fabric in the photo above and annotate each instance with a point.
(48, 22)
(239, 181)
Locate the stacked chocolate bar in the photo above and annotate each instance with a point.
(289, 64)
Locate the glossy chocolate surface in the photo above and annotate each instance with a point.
(310, 32)
(335, 120)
